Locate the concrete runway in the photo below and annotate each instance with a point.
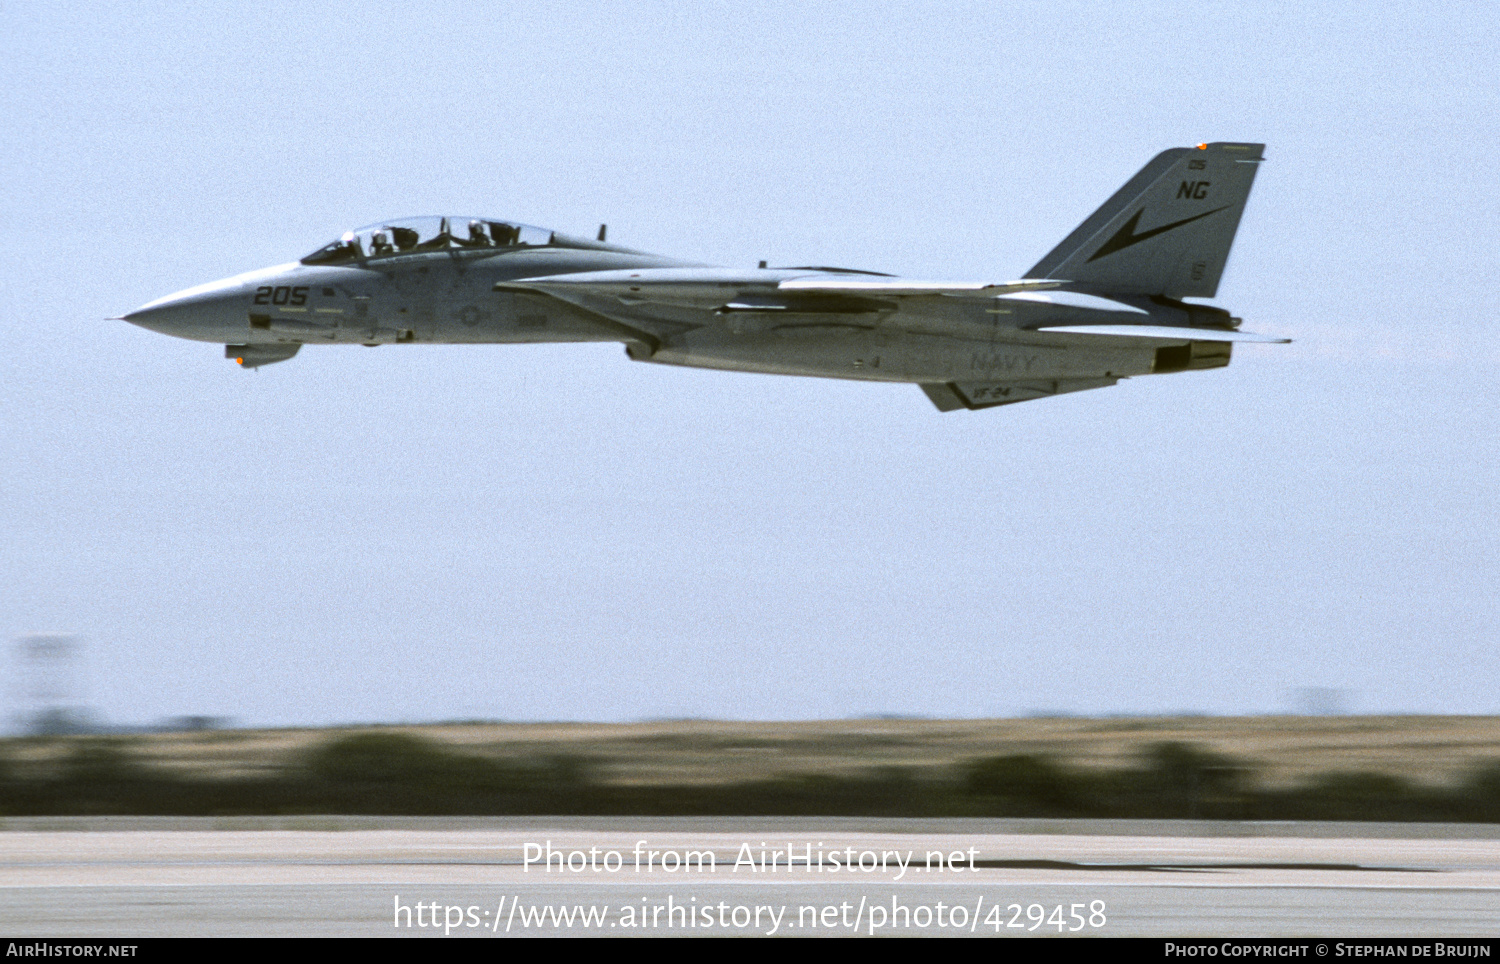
(334, 876)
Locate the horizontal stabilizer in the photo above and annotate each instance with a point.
(1073, 299)
(1166, 332)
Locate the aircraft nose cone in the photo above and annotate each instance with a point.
(214, 312)
(155, 316)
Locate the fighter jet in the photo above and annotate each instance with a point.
(1105, 304)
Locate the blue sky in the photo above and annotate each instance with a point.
(554, 532)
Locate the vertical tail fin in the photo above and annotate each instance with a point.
(1167, 231)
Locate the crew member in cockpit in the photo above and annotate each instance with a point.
(380, 244)
(504, 234)
(477, 236)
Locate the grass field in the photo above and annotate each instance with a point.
(1279, 751)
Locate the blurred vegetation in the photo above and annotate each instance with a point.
(400, 773)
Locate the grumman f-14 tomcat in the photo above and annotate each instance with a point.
(1105, 304)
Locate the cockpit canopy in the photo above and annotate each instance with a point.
(421, 235)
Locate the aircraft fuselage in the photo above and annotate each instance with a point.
(1106, 304)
